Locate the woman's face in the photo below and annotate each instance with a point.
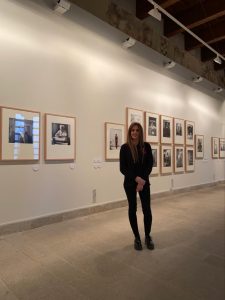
(135, 133)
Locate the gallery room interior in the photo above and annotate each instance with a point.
(74, 75)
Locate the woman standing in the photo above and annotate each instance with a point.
(136, 163)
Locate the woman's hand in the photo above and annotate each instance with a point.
(139, 187)
(139, 180)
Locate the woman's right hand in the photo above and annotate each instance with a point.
(140, 181)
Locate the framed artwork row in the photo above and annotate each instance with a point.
(218, 147)
(162, 129)
(20, 136)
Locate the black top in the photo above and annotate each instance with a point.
(141, 168)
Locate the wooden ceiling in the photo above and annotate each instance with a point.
(206, 18)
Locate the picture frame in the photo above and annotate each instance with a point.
(114, 138)
(156, 159)
(152, 127)
(199, 146)
(222, 148)
(189, 133)
(189, 159)
(178, 131)
(166, 125)
(60, 137)
(179, 161)
(20, 134)
(134, 115)
(215, 147)
(166, 159)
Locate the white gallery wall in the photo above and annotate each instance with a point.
(75, 65)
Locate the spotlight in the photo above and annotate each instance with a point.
(155, 14)
(197, 79)
(62, 6)
(218, 90)
(169, 65)
(129, 42)
(218, 60)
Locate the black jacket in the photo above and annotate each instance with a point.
(130, 169)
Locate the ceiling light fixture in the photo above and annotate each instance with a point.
(197, 79)
(218, 60)
(185, 28)
(169, 65)
(155, 14)
(218, 90)
(62, 6)
(129, 42)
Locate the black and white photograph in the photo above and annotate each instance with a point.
(166, 130)
(114, 138)
(134, 115)
(152, 127)
(156, 159)
(222, 147)
(215, 147)
(190, 160)
(179, 159)
(20, 138)
(60, 143)
(190, 132)
(199, 146)
(20, 131)
(166, 159)
(60, 134)
(178, 131)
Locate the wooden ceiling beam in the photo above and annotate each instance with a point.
(210, 35)
(195, 16)
(207, 54)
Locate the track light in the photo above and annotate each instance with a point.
(197, 79)
(62, 6)
(129, 42)
(169, 65)
(218, 90)
(218, 60)
(155, 14)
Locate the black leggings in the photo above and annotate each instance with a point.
(132, 209)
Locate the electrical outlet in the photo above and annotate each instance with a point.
(94, 196)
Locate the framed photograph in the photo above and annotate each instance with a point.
(166, 130)
(166, 159)
(222, 147)
(190, 160)
(59, 137)
(135, 115)
(156, 160)
(20, 139)
(189, 133)
(151, 127)
(199, 146)
(178, 127)
(114, 139)
(179, 164)
(215, 147)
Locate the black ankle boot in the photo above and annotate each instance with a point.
(149, 243)
(137, 244)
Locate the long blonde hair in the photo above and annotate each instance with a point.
(132, 146)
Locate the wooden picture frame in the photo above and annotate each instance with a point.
(166, 159)
(189, 133)
(156, 159)
(199, 146)
(20, 134)
(166, 125)
(179, 131)
(152, 127)
(114, 138)
(179, 161)
(215, 147)
(189, 159)
(60, 137)
(222, 148)
(134, 115)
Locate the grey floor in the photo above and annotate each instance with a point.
(93, 257)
